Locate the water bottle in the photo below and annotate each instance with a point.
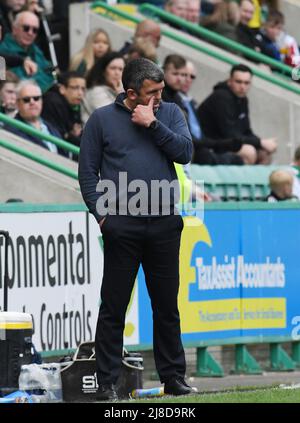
(41, 381)
(151, 392)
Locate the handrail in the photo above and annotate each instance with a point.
(212, 36)
(19, 150)
(36, 133)
(197, 46)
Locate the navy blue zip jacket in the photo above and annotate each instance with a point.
(111, 143)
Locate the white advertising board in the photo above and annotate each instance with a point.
(55, 264)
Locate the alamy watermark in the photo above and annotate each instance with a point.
(137, 197)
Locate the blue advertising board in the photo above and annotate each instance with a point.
(239, 276)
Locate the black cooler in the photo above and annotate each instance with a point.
(15, 348)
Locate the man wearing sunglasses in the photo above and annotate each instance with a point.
(30, 103)
(21, 42)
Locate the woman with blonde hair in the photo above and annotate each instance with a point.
(96, 45)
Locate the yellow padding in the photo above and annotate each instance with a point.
(18, 325)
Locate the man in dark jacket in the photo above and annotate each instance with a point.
(133, 144)
(62, 106)
(177, 84)
(29, 101)
(225, 114)
(175, 70)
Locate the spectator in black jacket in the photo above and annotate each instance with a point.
(177, 85)
(206, 150)
(225, 114)
(175, 72)
(62, 106)
(252, 37)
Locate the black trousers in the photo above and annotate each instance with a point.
(128, 242)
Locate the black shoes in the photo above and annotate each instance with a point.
(178, 386)
(107, 393)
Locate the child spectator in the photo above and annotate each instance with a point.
(287, 45)
(281, 185)
(270, 33)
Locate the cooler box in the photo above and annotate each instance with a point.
(15, 348)
(79, 380)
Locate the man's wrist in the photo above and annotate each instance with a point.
(153, 124)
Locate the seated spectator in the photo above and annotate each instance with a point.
(189, 103)
(177, 8)
(147, 29)
(287, 45)
(270, 33)
(8, 11)
(30, 103)
(8, 95)
(96, 46)
(250, 37)
(281, 185)
(62, 106)
(12, 60)
(22, 44)
(206, 150)
(141, 47)
(35, 6)
(225, 114)
(193, 11)
(221, 20)
(175, 71)
(104, 83)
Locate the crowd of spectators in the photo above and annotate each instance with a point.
(59, 100)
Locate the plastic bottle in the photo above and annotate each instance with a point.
(39, 398)
(151, 392)
(42, 381)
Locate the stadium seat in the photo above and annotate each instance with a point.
(235, 183)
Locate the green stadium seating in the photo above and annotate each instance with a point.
(235, 183)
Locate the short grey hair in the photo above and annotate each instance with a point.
(20, 15)
(137, 70)
(25, 83)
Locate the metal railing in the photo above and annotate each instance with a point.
(215, 38)
(41, 160)
(30, 130)
(197, 45)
